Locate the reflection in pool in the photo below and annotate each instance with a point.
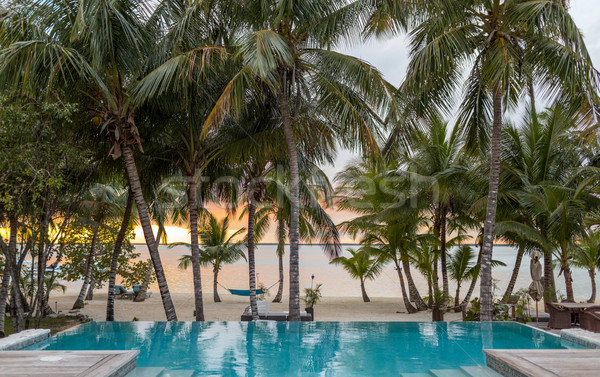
(307, 348)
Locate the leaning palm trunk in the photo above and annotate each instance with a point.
(141, 294)
(4, 298)
(513, 277)
(114, 264)
(593, 278)
(490, 216)
(90, 292)
(415, 296)
(364, 291)
(407, 304)
(465, 302)
(294, 299)
(142, 208)
(89, 267)
(251, 261)
(195, 250)
(280, 251)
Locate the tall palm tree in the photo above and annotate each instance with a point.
(218, 248)
(361, 265)
(287, 50)
(507, 45)
(100, 52)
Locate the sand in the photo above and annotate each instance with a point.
(231, 308)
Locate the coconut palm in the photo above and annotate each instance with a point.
(507, 45)
(287, 50)
(563, 208)
(384, 199)
(543, 150)
(361, 265)
(218, 248)
(587, 255)
(100, 53)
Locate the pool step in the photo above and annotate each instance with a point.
(415, 375)
(146, 372)
(177, 373)
(480, 372)
(448, 373)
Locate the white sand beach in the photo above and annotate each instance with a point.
(329, 309)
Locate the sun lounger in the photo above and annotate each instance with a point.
(265, 314)
(590, 319)
(121, 292)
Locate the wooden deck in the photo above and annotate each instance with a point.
(67, 363)
(545, 363)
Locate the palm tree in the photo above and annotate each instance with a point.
(563, 208)
(287, 50)
(218, 248)
(361, 265)
(383, 198)
(100, 203)
(587, 256)
(100, 52)
(508, 45)
(462, 269)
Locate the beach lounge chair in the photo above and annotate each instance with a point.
(265, 314)
(590, 319)
(560, 317)
(121, 292)
(136, 289)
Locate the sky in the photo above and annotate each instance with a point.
(390, 56)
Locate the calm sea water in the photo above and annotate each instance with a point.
(336, 282)
(306, 348)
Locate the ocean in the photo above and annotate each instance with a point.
(336, 282)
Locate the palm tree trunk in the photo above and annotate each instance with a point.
(364, 291)
(90, 292)
(89, 267)
(593, 278)
(457, 297)
(195, 249)
(114, 264)
(142, 209)
(251, 261)
(141, 295)
(294, 299)
(490, 216)
(465, 302)
(280, 251)
(415, 296)
(3, 298)
(407, 304)
(568, 281)
(443, 255)
(515, 274)
(216, 285)
(549, 285)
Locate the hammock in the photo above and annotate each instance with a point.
(246, 292)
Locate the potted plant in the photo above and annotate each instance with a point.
(438, 306)
(311, 297)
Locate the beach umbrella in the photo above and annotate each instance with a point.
(536, 290)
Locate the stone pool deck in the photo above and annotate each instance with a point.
(23, 339)
(67, 363)
(544, 363)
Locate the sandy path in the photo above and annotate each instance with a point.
(329, 309)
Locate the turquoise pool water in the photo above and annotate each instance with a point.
(307, 348)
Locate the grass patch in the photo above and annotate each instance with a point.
(54, 324)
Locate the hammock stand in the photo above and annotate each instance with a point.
(246, 292)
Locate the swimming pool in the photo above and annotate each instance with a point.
(306, 348)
